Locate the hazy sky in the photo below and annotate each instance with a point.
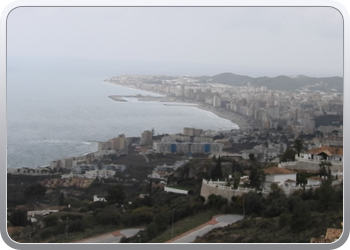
(253, 41)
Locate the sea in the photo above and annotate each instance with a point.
(59, 112)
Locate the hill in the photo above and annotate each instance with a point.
(271, 230)
(282, 82)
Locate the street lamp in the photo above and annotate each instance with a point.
(138, 236)
(172, 224)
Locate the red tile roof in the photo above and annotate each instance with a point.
(277, 170)
(316, 178)
(327, 150)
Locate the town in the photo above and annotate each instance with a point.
(289, 144)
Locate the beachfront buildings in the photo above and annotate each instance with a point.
(118, 143)
(146, 138)
(264, 107)
(187, 147)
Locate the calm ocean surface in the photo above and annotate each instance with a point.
(63, 113)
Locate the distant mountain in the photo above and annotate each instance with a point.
(286, 83)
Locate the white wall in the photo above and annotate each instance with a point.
(175, 190)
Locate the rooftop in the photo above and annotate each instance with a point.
(327, 150)
(277, 170)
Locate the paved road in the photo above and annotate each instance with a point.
(113, 237)
(221, 221)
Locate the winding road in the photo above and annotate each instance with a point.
(188, 237)
(217, 221)
(113, 237)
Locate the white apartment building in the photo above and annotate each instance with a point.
(186, 147)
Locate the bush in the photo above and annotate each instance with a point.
(46, 234)
(76, 226)
(61, 228)
(284, 220)
(108, 218)
(51, 220)
(97, 204)
(71, 217)
(139, 216)
(19, 218)
(216, 201)
(83, 210)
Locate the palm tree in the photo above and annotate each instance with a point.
(299, 146)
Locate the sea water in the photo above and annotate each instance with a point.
(55, 114)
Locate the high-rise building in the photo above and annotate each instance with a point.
(146, 138)
(118, 143)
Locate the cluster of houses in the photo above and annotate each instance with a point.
(80, 171)
(164, 171)
(285, 174)
(93, 171)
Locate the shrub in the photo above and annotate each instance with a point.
(76, 226)
(46, 234)
(83, 210)
(97, 204)
(51, 220)
(108, 218)
(284, 220)
(71, 217)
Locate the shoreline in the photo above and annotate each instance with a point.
(234, 118)
(240, 121)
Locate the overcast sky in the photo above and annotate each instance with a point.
(253, 41)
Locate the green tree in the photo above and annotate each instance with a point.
(236, 179)
(18, 218)
(51, 220)
(34, 191)
(76, 226)
(301, 180)
(256, 178)
(251, 157)
(217, 201)
(217, 172)
(326, 196)
(288, 155)
(299, 146)
(61, 199)
(301, 216)
(276, 202)
(116, 195)
(253, 203)
(326, 169)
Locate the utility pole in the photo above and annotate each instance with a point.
(243, 207)
(172, 224)
(67, 230)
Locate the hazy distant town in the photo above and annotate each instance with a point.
(285, 161)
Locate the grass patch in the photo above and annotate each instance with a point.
(185, 225)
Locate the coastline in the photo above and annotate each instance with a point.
(240, 121)
(234, 118)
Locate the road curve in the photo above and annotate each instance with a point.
(217, 221)
(113, 237)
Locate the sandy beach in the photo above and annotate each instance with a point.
(239, 120)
